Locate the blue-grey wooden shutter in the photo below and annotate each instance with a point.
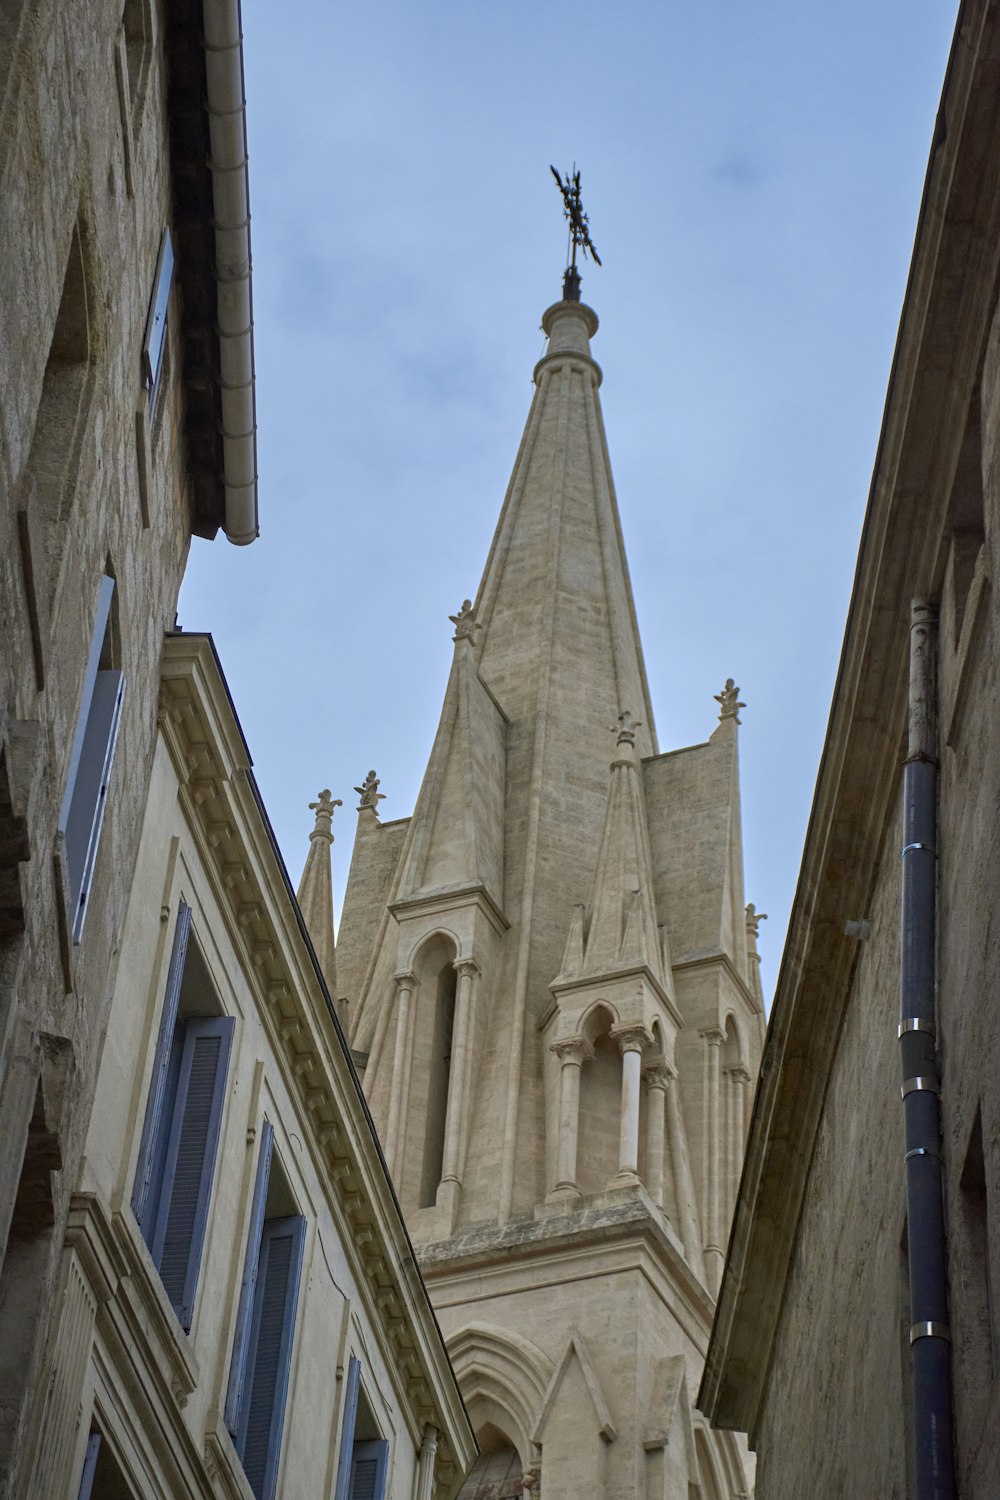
(145, 1193)
(189, 1163)
(154, 342)
(96, 734)
(241, 1341)
(89, 1466)
(351, 1388)
(269, 1353)
(104, 596)
(90, 795)
(369, 1467)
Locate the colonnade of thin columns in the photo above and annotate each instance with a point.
(665, 1136)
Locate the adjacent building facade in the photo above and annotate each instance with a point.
(856, 1333)
(238, 1311)
(553, 994)
(126, 426)
(206, 1288)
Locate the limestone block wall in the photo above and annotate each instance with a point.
(587, 1364)
(969, 957)
(832, 1421)
(91, 480)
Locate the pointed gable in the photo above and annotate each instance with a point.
(623, 932)
(458, 833)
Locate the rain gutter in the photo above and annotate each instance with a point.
(226, 102)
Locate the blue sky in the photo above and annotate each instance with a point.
(752, 173)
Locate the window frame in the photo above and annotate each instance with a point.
(154, 339)
(95, 739)
(164, 1123)
(271, 1230)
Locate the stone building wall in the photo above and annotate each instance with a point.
(92, 480)
(842, 1349)
(811, 1348)
(153, 1383)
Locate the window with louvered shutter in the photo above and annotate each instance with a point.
(258, 1438)
(82, 813)
(89, 1466)
(251, 1265)
(352, 1388)
(189, 1161)
(149, 1171)
(369, 1465)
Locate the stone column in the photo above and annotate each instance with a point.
(405, 986)
(631, 1042)
(657, 1078)
(467, 970)
(714, 1251)
(425, 1464)
(739, 1092)
(572, 1053)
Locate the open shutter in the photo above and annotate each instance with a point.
(154, 341)
(270, 1352)
(104, 596)
(189, 1164)
(238, 1366)
(89, 1466)
(85, 797)
(351, 1388)
(144, 1195)
(90, 795)
(369, 1467)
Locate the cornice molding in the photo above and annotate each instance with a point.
(433, 903)
(222, 806)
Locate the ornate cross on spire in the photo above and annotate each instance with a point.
(579, 231)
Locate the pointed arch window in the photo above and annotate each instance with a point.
(600, 1105)
(439, 1071)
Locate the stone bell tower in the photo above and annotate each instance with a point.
(551, 982)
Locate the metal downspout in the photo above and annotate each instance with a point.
(930, 1341)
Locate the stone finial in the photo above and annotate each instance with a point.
(626, 728)
(728, 701)
(754, 919)
(323, 808)
(465, 622)
(369, 793)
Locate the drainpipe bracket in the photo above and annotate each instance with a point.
(916, 1023)
(930, 1085)
(930, 1331)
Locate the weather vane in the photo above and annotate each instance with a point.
(579, 231)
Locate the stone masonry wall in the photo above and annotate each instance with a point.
(832, 1423)
(85, 192)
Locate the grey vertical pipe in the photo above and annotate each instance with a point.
(930, 1342)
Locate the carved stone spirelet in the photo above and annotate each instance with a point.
(369, 793)
(728, 701)
(323, 808)
(465, 622)
(625, 729)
